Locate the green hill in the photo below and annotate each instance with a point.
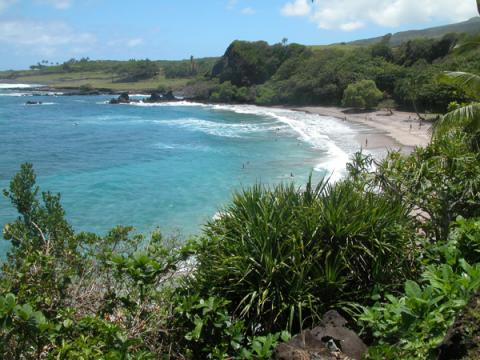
(470, 26)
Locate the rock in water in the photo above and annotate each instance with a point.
(122, 99)
(169, 96)
(330, 340)
(154, 97)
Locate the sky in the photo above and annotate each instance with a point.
(58, 30)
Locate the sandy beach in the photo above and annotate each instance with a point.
(379, 129)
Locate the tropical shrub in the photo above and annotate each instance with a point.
(282, 256)
(413, 325)
(205, 330)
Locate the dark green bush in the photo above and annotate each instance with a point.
(411, 326)
(283, 256)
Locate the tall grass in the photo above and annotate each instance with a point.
(283, 256)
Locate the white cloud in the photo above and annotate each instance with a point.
(348, 15)
(351, 26)
(134, 42)
(131, 43)
(42, 37)
(296, 8)
(58, 4)
(248, 11)
(6, 3)
(231, 4)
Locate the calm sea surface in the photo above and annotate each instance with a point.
(170, 165)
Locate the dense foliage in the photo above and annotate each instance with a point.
(363, 94)
(284, 256)
(294, 74)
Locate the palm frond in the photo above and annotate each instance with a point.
(466, 116)
(469, 83)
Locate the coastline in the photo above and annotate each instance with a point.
(378, 129)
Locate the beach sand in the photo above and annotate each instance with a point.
(380, 130)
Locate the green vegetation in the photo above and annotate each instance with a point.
(255, 72)
(363, 94)
(394, 246)
(114, 75)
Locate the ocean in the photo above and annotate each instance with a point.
(170, 165)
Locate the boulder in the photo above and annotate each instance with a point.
(330, 340)
(169, 96)
(154, 97)
(122, 99)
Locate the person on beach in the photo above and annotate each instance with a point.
(366, 142)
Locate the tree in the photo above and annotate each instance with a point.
(388, 104)
(468, 115)
(363, 94)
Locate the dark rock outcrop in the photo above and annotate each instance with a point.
(169, 96)
(122, 99)
(154, 97)
(463, 338)
(330, 340)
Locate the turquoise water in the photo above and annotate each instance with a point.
(172, 166)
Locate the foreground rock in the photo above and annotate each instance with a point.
(463, 338)
(330, 340)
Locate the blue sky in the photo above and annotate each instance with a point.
(57, 30)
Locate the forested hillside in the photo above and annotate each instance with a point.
(296, 74)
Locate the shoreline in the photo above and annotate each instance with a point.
(378, 129)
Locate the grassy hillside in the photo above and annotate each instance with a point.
(97, 80)
(471, 26)
(114, 75)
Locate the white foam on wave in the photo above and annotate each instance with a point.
(183, 147)
(232, 130)
(330, 135)
(18, 86)
(168, 103)
(323, 133)
(43, 103)
(14, 94)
